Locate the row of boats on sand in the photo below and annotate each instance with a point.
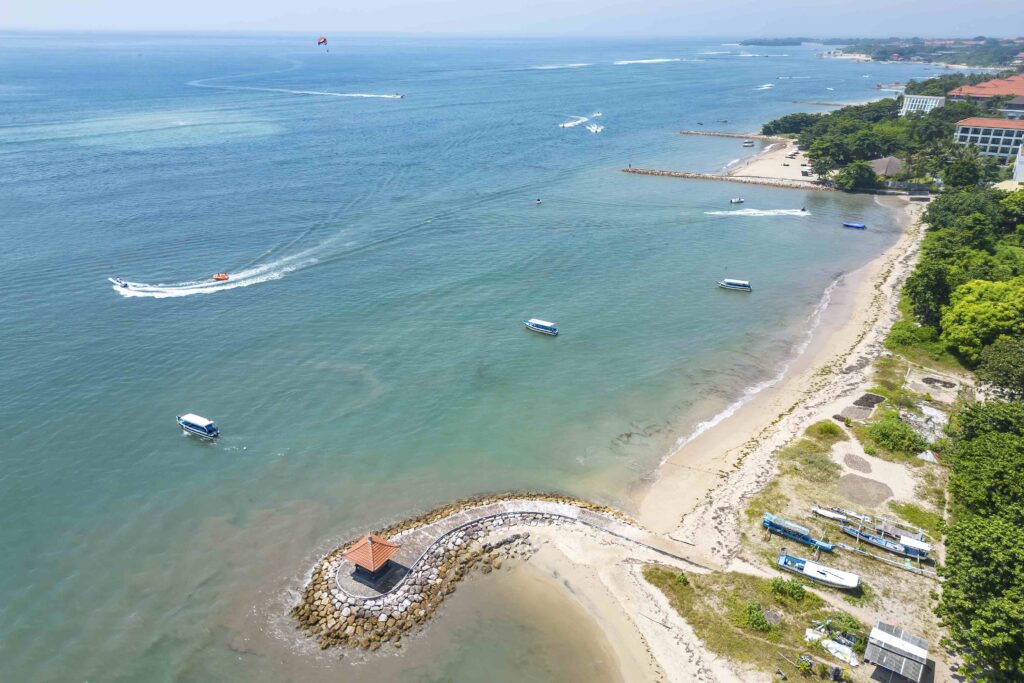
(879, 534)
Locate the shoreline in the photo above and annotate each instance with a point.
(848, 336)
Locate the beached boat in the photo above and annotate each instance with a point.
(795, 532)
(198, 425)
(542, 326)
(818, 572)
(736, 200)
(740, 285)
(830, 514)
(908, 547)
(855, 226)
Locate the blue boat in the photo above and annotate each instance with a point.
(542, 326)
(794, 532)
(855, 226)
(740, 285)
(907, 547)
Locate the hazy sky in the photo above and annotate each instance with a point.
(547, 17)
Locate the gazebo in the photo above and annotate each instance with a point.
(370, 553)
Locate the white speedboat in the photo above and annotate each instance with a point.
(736, 200)
(748, 143)
(542, 326)
(818, 572)
(740, 285)
(118, 281)
(198, 425)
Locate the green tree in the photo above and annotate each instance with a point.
(979, 312)
(962, 173)
(856, 176)
(928, 289)
(1002, 364)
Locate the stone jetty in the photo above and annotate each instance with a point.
(438, 549)
(749, 180)
(745, 136)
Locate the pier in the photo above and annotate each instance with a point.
(742, 136)
(748, 180)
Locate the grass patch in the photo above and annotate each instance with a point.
(809, 460)
(827, 433)
(769, 499)
(860, 596)
(890, 438)
(729, 613)
(919, 343)
(923, 519)
(932, 488)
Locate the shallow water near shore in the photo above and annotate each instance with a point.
(367, 360)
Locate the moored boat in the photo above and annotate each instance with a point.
(801, 534)
(542, 326)
(748, 143)
(908, 547)
(817, 572)
(855, 226)
(198, 425)
(736, 200)
(740, 285)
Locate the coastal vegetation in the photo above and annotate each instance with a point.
(979, 51)
(751, 620)
(940, 85)
(982, 600)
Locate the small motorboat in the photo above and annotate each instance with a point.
(542, 326)
(729, 283)
(119, 282)
(221, 277)
(736, 200)
(198, 425)
(855, 226)
(817, 572)
(748, 143)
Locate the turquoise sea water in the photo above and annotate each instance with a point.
(367, 359)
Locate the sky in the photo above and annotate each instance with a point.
(818, 18)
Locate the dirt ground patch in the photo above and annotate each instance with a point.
(855, 462)
(863, 491)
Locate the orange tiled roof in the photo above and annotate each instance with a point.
(999, 87)
(991, 123)
(370, 552)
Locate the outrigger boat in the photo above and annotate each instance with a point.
(794, 532)
(906, 546)
(739, 285)
(542, 326)
(817, 572)
(198, 425)
(855, 226)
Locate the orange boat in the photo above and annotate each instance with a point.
(220, 277)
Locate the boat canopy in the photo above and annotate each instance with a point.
(197, 420)
(916, 544)
(542, 323)
(738, 283)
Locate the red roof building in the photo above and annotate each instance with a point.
(371, 552)
(993, 137)
(999, 87)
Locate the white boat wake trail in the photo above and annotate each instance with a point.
(294, 65)
(244, 278)
(759, 212)
(663, 60)
(577, 121)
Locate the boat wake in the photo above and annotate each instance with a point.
(661, 60)
(244, 278)
(759, 212)
(322, 93)
(766, 86)
(576, 121)
(549, 67)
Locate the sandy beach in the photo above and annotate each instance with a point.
(773, 162)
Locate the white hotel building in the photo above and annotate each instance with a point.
(993, 137)
(920, 104)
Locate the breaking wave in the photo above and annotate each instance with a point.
(324, 93)
(759, 212)
(548, 67)
(660, 60)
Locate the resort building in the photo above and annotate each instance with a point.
(999, 87)
(895, 650)
(1018, 169)
(1014, 109)
(920, 104)
(1000, 138)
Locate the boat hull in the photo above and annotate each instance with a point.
(855, 226)
(540, 330)
(818, 572)
(884, 543)
(189, 429)
(735, 288)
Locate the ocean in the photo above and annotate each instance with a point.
(366, 360)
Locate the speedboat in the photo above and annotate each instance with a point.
(198, 425)
(748, 143)
(221, 277)
(542, 326)
(118, 281)
(817, 572)
(855, 226)
(736, 200)
(729, 283)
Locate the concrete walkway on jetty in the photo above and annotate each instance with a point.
(749, 180)
(744, 136)
(417, 543)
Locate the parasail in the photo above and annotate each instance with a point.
(321, 41)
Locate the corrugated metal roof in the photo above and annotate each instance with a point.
(370, 552)
(896, 650)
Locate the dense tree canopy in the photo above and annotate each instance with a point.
(980, 311)
(1002, 365)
